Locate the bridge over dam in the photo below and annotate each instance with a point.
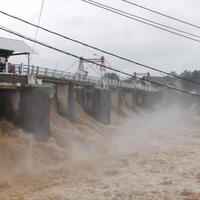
(26, 92)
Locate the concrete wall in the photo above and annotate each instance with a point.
(29, 107)
(35, 111)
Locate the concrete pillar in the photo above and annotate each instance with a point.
(116, 99)
(71, 102)
(65, 100)
(35, 111)
(102, 105)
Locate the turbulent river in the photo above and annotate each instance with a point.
(141, 155)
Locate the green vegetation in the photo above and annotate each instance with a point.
(191, 75)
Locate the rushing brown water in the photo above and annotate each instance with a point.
(140, 156)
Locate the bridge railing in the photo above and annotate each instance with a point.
(41, 72)
(55, 74)
(131, 85)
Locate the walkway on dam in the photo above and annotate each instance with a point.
(19, 72)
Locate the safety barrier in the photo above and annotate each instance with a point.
(55, 74)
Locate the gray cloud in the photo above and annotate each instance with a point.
(110, 32)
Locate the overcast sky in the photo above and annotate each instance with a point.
(108, 31)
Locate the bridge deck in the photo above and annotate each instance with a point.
(23, 75)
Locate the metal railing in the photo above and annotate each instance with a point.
(54, 74)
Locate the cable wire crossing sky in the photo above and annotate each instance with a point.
(93, 62)
(96, 48)
(162, 14)
(111, 32)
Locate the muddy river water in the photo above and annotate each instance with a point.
(141, 156)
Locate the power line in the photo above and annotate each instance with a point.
(162, 14)
(142, 18)
(100, 50)
(78, 57)
(39, 19)
(139, 19)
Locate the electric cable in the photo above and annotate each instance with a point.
(100, 50)
(79, 57)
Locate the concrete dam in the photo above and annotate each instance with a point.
(99, 107)
(26, 92)
(65, 132)
(28, 106)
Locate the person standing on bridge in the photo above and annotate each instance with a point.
(2, 64)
